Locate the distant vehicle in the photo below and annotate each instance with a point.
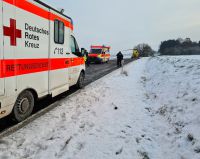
(99, 54)
(39, 56)
(135, 54)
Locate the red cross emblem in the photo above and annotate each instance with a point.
(13, 32)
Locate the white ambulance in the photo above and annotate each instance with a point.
(39, 56)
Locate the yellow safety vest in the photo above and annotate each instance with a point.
(85, 58)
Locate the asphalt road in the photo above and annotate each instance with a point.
(96, 71)
(93, 72)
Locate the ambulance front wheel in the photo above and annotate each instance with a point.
(80, 82)
(23, 106)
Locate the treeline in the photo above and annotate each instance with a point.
(180, 47)
(144, 50)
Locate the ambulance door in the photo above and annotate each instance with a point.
(11, 34)
(59, 55)
(74, 62)
(1, 53)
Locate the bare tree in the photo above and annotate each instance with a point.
(144, 50)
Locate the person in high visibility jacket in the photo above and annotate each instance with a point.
(83, 51)
(135, 54)
(86, 59)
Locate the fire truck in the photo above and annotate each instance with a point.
(99, 54)
(39, 56)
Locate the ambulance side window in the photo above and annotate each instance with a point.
(74, 47)
(59, 32)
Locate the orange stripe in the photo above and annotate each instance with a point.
(77, 61)
(29, 7)
(14, 67)
(101, 55)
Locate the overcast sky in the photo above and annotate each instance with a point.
(122, 24)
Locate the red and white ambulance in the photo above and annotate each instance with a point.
(99, 54)
(39, 55)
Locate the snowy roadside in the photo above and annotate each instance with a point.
(172, 92)
(150, 112)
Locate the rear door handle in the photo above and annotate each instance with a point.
(67, 53)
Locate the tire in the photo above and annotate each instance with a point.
(23, 106)
(80, 82)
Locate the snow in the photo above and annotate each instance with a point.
(197, 57)
(149, 111)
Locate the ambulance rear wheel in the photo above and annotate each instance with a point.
(23, 106)
(80, 83)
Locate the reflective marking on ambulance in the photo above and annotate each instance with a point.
(12, 67)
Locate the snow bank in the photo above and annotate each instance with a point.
(173, 94)
(149, 111)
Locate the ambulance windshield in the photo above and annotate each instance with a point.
(95, 51)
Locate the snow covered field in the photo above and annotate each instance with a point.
(151, 111)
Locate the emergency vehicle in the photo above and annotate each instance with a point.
(135, 54)
(39, 56)
(99, 54)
